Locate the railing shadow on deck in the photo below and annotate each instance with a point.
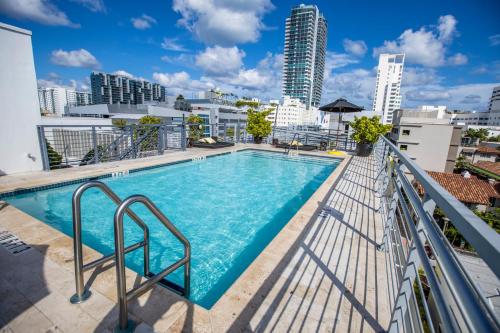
(324, 221)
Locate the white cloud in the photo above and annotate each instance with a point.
(473, 96)
(447, 28)
(417, 76)
(92, 5)
(220, 61)
(425, 46)
(356, 47)
(182, 59)
(223, 22)
(427, 95)
(494, 40)
(121, 72)
(458, 59)
(181, 83)
(356, 85)
(143, 22)
(75, 58)
(41, 11)
(338, 60)
(54, 81)
(264, 80)
(172, 45)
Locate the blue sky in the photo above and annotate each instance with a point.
(452, 47)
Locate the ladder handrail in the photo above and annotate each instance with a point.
(287, 149)
(120, 250)
(81, 293)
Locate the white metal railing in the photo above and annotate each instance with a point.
(429, 289)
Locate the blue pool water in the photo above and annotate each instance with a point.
(229, 207)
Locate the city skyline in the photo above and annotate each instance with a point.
(450, 58)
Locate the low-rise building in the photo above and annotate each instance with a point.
(292, 112)
(429, 140)
(469, 118)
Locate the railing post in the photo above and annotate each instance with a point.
(161, 139)
(43, 147)
(238, 131)
(183, 135)
(225, 132)
(94, 145)
(132, 142)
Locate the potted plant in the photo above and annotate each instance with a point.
(366, 133)
(257, 125)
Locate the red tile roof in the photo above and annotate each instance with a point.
(493, 167)
(487, 150)
(468, 190)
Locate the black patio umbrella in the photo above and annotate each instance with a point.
(340, 106)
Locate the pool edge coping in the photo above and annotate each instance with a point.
(218, 311)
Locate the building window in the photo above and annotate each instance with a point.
(403, 147)
(406, 132)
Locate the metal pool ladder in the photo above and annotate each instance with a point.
(83, 293)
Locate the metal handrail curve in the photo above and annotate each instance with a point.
(123, 296)
(82, 293)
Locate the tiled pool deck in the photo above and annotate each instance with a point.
(321, 273)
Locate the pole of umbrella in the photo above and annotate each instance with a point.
(338, 128)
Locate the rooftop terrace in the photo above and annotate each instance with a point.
(339, 265)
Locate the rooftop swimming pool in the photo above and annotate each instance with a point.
(229, 207)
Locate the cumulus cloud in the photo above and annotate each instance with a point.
(426, 46)
(494, 40)
(447, 28)
(471, 99)
(75, 58)
(417, 76)
(143, 22)
(338, 60)
(357, 85)
(219, 60)
(121, 72)
(264, 80)
(181, 82)
(427, 95)
(223, 22)
(458, 59)
(171, 44)
(54, 81)
(41, 11)
(92, 5)
(473, 96)
(356, 47)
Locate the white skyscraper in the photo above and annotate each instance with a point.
(387, 96)
(56, 100)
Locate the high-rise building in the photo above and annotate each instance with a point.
(494, 107)
(304, 56)
(55, 100)
(118, 89)
(387, 96)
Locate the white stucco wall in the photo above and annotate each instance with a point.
(19, 107)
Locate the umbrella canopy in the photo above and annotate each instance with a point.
(341, 105)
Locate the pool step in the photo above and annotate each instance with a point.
(172, 286)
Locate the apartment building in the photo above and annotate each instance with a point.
(429, 140)
(304, 54)
(56, 100)
(387, 97)
(494, 107)
(119, 89)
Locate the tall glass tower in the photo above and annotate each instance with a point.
(304, 58)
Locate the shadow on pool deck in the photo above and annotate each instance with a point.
(328, 280)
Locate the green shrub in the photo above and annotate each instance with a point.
(368, 130)
(257, 124)
(55, 159)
